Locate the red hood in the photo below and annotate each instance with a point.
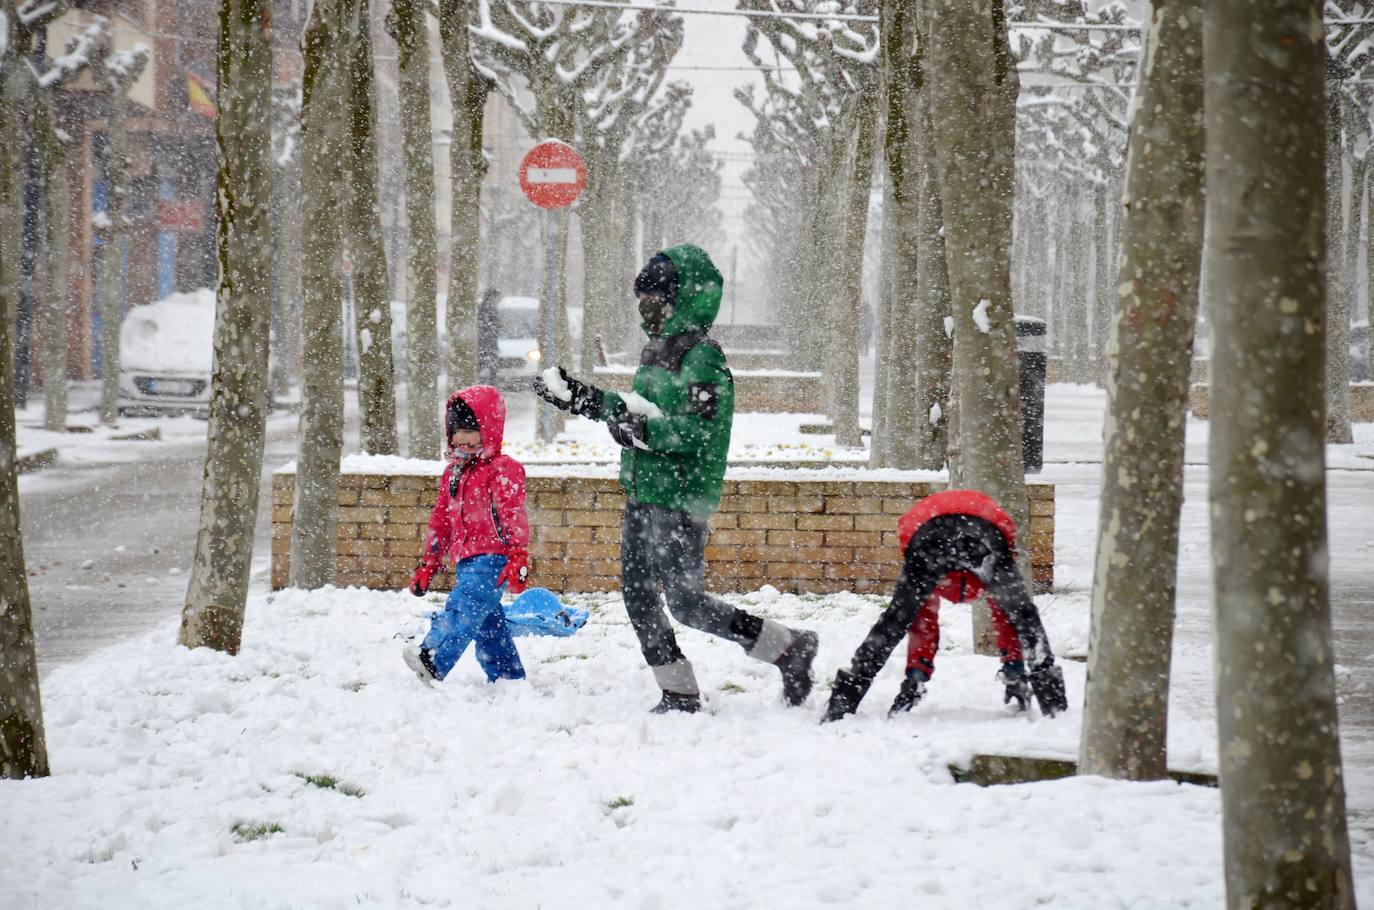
(490, 409)
(956, 502)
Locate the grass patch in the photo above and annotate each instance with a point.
(330, 782)
(246, 833)
(620, 802)
(356, 686)
(555, 658)
(732, 687)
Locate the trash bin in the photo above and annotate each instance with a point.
(1030, 363)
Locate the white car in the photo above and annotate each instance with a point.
(166, 354)
(517, 340)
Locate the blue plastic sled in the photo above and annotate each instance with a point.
(539, 612)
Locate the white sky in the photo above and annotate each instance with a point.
(713, 43)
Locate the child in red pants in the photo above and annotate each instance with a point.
(955, 544)
(924, 640)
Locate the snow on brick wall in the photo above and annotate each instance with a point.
(795, 534)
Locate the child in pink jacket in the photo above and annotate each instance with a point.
(478, 522)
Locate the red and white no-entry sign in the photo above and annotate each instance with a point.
(553, 175)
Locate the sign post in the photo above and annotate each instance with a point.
(552, 176)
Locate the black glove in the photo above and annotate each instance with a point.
(1013, 676)
(1047, 681)
(630, 431)
(583, 400)
(913, 690)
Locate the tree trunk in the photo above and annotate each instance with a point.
(1125, 714)
(1032, 256)
(23, 748)
(218, 588)
(808, 304)
(601, 246)
(468, 95)
(371, 288)
(422, 328)
(14, 83)
(1077, 287)
(111, 270)
(320, 440)
(1338, 428)
(1104, 293)
(1350, 256)
(880, 443)
(57, 205)
(286, 240)
(847, 301)
(1282, 790)
(973, 88)
(933, 353)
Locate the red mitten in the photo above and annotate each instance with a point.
(423, 573)
(515, 573)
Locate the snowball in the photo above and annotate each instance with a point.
(553, 381)
(638, 404)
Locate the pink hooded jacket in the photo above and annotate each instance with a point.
(486, 512)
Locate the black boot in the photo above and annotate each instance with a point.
(845, 694)
(677, 701)
(1047, 681)
(795, 665)
(421, 662)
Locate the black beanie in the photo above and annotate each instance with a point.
(460, 417)
(659, 278)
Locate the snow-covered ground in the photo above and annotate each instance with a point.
(313, 770)
(89, 443)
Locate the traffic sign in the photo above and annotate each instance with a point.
(553, 174)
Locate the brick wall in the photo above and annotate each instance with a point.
(1361, 402)
(795, 534)
(758, 392)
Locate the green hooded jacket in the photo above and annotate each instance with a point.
(683, 373)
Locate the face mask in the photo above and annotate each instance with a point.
(655, 311)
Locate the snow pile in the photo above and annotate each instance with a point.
(314, 770)
(176, 333)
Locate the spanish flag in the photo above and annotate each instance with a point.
(200, 95)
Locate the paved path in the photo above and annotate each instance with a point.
(109, 547)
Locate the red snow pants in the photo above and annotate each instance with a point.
(923, 639)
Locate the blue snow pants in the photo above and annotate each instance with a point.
(473, 614)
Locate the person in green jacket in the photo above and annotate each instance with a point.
(674, 428)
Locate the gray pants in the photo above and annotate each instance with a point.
(665, 547)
